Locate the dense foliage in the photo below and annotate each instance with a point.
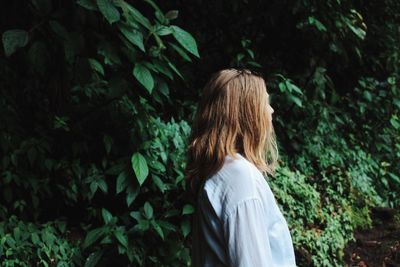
(97, 97)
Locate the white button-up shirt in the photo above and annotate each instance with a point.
(238, 222)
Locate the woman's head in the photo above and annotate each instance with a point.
(234, 115)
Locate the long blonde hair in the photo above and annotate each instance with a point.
(232, 117)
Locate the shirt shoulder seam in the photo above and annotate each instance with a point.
(228, 213)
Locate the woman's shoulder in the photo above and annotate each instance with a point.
(235, 182)
(240, 172)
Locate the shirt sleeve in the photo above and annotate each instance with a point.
(246, 235)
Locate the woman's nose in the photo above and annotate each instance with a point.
(271, 109)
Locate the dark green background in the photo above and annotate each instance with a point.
(97, 98)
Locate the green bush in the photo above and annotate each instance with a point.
(96, 101)
(28, 244)
(320, 228)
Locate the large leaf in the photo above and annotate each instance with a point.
(185, 39)
(109, 11)
(143, 75)
(134, 36)
(107, 216)
(163, 68)
(122, 182)
(296, 100)
(140, 167)
(92, 236)
(14, 39)
(139, 17)
(132, 193)
(181, 52)
(93, 258)
(121, 237)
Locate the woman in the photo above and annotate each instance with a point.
(232, 146)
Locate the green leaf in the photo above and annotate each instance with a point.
(143, 75)
(172, 14)
(17, 234)
(131, 195)
(116, 168)
(181, 52)
(185, 39)
(394, 121)
(92, 236)
(317, 23)
(155, 164)
(143, 225)
(93, 187)
(109, 11)
(160, 16)
(159, 183)
(122, 182)
(109, 53)
(35, 238)
(121, 237)
(396, 102)
(296, 100)
(157, 228)
(163, 88)
(185, 227)
(167, 225)
(95, 65)
(154, 5)
(140, 18)
(187, 209)
(93, 258)
(172, 66)
(282, 87)
(162, 30)
(102, 185)
(107, 216)
(14, 39)
(108, 141)
(394, 177)
(360, 33)
(59, 29)
(148, 210)
(134, 14)
(134, 36)
(294, 88)
(251, 53)
(136, 215)
(88, 4)
(367, 95)
(161, 67)
(139, 165)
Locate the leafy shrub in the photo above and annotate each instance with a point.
(28, 244)
(96, 100)
(320, 228)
